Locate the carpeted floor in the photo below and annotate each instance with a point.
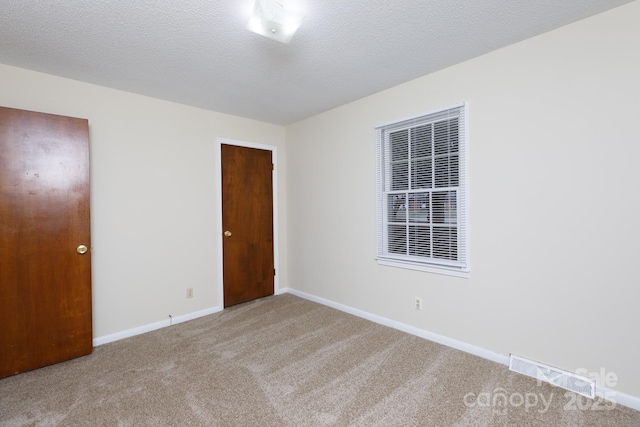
(285, 361)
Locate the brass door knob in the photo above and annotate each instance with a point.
(82, 249)
(227, 233)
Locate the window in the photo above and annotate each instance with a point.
(422, 199)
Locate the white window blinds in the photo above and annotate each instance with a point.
(422, 200)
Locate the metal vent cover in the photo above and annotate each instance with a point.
(558, 377)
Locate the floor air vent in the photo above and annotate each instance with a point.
(558, 377)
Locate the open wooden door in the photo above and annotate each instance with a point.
(45, 261)
(247, 221)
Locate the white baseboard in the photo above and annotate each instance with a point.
(619, 398)
(623, 399)
(440, 339)
(162, 324)
(153, 326)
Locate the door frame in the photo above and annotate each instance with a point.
(218, 171)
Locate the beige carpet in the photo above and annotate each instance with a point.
(285, 361)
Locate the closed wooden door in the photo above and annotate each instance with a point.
(45, 280)
(247, 221)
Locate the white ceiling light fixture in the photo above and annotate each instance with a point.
(272, 20)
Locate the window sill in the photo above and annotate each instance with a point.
(447, 271)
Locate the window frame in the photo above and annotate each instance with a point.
(384, 159)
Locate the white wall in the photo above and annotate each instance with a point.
(553, 151)
(154, 189)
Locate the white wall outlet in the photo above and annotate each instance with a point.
(189, 292)
(418, 303)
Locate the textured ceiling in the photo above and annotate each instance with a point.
(200, 53)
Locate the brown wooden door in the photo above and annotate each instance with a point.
(45, 284)
(247, 221)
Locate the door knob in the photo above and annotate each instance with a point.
(82, 249)
(227, 233)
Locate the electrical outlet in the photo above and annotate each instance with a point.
(418, 303)
(189, 292)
